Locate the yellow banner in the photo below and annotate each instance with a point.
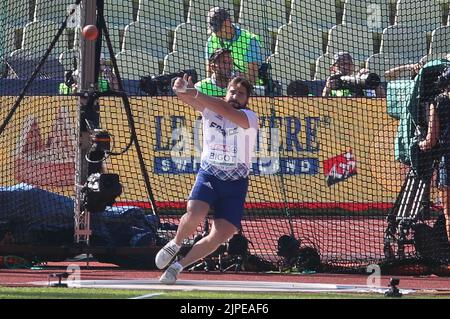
(310, 150)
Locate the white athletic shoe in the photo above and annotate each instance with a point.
(169, 277)
(166, 254)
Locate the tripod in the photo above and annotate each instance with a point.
(237, 251)
(411, 206)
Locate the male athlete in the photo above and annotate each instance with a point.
(229, 138)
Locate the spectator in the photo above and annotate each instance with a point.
(221, 65)
(438, 134)
(245, 46)
(343, 65)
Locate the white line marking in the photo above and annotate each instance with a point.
(149, 296)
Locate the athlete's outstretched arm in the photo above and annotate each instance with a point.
(184, 89)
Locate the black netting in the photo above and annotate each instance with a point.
(342, 90)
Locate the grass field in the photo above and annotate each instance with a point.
(83, 293)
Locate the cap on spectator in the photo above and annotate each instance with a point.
(341, 57)
(216, 17)
(217, 54)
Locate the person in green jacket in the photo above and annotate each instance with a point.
(221, 65)
(107, 80)
(245, 46)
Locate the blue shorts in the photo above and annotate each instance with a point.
(226, 197)
(444, 171)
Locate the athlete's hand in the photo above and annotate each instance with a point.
(425, 145)
(363, 71)
(184, 85)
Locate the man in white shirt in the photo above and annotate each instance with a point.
(229, 138)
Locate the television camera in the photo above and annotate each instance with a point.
(162, 84)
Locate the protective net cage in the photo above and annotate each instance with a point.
(343, 91)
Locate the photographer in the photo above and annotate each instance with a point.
(344, 82)
(438, 134)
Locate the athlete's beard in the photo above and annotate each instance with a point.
(236, 104)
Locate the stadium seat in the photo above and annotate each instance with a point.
(423, 15)
(198, 10)
(14, 16)
(355, 39)
(30, 54)
(319, 14)
(323, 66)
(178, 61)
(38, 35)
(262, 15)
(22, 63)
(118, 13)
(190, 37)
(291, 41)
(381, 62)
(374, 15)
(440, 40)
(141, 36)
(437, 56)
(55, 10)
(114, 34)
(410, 43)
(8, 44)
(17, 13)
(286, 68)
(134, 64)
(70, 59)
(161, 13)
